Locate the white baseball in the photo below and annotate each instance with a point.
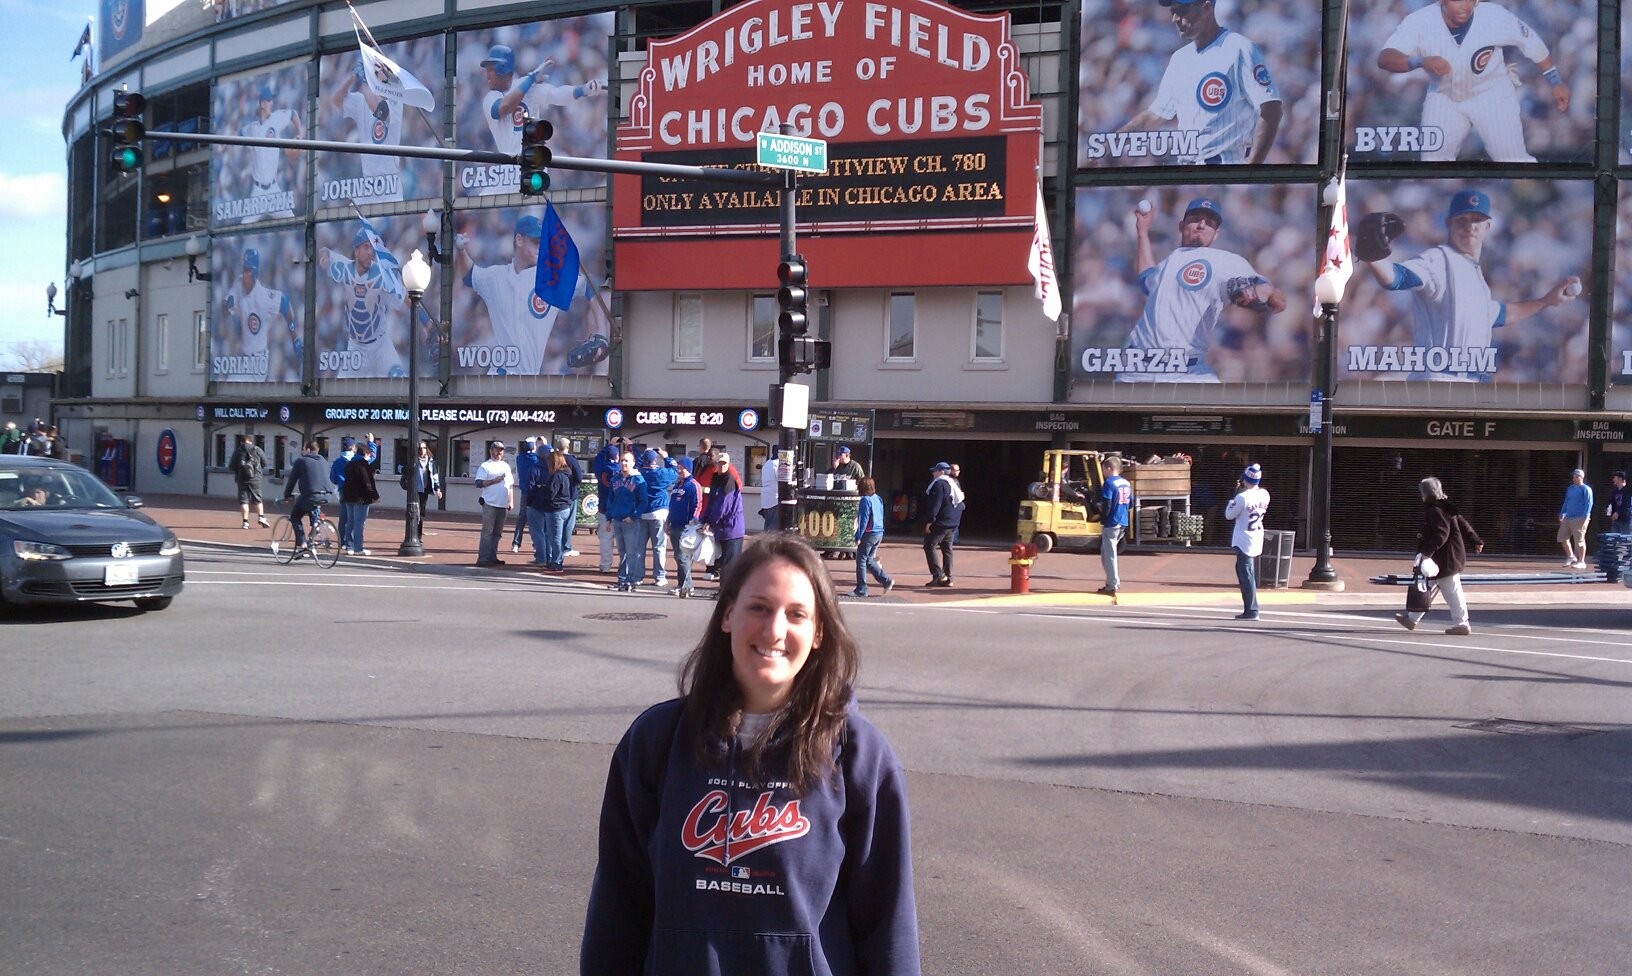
(1572, 289)
(1144, 206)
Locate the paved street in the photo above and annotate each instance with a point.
(375, 769)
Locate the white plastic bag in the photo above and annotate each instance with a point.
(696, 545)
(1429, 568)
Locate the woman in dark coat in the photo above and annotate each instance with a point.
(1445, 538)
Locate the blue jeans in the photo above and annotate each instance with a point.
(1112, 534)
(1246, 573)
(682, 563)
(657, 540)
(631, 550)
(867, 562)
(303, 512)
(729, 549)
(546, 529)
(569, 521)
(353, 515)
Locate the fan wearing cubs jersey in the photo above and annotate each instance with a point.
(375, 289)
(270, 123)
(1459, 44)
(1218, 87)
(378, 122)
(1184, 295)
(521, 321)
(252, 309)
(510, 101)
(1451, 304)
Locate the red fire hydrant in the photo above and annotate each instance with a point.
(1020, 559)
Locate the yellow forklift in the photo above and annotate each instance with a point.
(1063, 510)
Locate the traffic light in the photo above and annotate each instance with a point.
(127, 130)
(535, 157)
(791, 298)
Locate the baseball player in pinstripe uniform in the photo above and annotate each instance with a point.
(509, 101)
(1459, 44)
(1451, 305)
(378, 122)
(1217, 86)
(252, 308)
(1185, 293)
(374, 289)
(270, 123)
(521, 320)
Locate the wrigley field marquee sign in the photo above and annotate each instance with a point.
(932, 147)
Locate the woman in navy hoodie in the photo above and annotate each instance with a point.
(757, 824)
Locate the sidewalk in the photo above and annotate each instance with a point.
(1167, 576)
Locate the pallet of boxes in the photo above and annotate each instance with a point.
(1161, 491)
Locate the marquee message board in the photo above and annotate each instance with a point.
(932, 148)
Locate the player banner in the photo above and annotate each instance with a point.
(1193, 284)
(257, 306)
(1512, 81)
(362, 305)
(552, 69)
(1620, 328)
(1626, 82)
(350, 109)
(1187, 82)
(500, 327)
(1468, 281)
(255, 183)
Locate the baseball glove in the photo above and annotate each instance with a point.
(1374, 233)
(1243, 291)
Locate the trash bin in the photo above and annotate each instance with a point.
(1275, 562)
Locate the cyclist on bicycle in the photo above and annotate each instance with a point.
(308, 483)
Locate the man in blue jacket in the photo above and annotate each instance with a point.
(625, 494)
(942, 513)
(1572, 520)
(526, 460)
(605, 466)
(654, 511)
(307, 483)
(337, 475)
(685, 507)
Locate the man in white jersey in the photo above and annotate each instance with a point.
(509, 102)
(252, 309)
(1459, 44)
(1184, 295)
(375, 287)
(270, 123)
(1453, 312)
(378, 122)
(1217, 87)
(522, 321)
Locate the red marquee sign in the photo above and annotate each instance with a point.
(932, 148)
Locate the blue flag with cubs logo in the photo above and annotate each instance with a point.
(557, 262)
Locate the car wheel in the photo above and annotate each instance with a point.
(154, 602)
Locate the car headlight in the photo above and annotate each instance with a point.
(39, 550)
(172, 545)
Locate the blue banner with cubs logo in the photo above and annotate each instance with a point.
(1190, 83)
(120, 27)
(1195, 285)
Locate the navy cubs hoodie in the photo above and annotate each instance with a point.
(750, 878)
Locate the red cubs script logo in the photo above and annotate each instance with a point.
(706, 833)
(1213, 91)
(1481, 59)
(1195, 274)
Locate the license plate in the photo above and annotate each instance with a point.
(120, 574)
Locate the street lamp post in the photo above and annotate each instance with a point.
(416, 277)
(1328, 293)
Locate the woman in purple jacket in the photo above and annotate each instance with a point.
(723, 516)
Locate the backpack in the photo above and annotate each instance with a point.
(249, 463)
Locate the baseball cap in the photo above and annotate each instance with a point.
(528, 226)
(501, 59)
(844, 448)
(1578, 473)
(1207, 205)
(941, 466)
(346, 442)
(361, 237)
(267, 94)
(720, 457)
(1253, 474)
(648, 456)
(528, 442)
(497, 444)
(1468, 201)
(252, 260)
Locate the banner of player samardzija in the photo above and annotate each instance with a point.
(1187, 82)
(1620, 329)
(552, 69)
(257, 306)
(255, 183)
(1192, 284)
(362, 305)
(352, 109)
(1468, 281)
(500, 327)
(1511, 81)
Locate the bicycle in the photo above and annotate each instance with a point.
(322, 540)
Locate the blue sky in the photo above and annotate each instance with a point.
(37, 79)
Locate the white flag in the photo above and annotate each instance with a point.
(1040, 262)
(1339, 259)
(389, 80)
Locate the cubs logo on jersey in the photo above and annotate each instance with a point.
(538, 306)
(1260, 74)
(710, 829)
(1195, 275)
(1213, 91)
(253, 324)
(377, 133)
(1481, 59)
(518, 118)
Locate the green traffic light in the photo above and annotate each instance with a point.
(127, 159)
(535, 183)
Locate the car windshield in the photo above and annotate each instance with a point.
(53, 488)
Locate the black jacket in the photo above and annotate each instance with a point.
(1445, 537)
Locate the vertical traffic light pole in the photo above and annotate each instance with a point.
(787, 445)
